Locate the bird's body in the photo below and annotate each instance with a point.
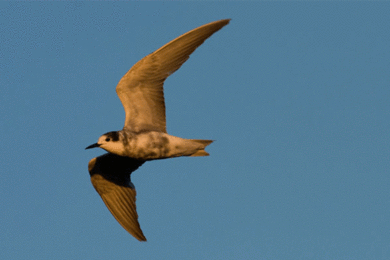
(152, 145)
(144, 136)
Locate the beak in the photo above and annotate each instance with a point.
(92, 146)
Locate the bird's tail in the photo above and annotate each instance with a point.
(201, 151)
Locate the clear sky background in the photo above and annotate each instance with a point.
(296, 95)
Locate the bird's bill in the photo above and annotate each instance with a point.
(92, 146)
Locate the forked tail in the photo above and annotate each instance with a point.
(201, 151)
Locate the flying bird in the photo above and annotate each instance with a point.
(144, 136)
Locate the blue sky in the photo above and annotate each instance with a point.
(296, 95)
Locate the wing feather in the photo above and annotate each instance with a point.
(141, 88)
(110, 175)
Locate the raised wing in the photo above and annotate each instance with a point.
(141, 88)
(110, 175)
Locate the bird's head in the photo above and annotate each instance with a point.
(110, 142)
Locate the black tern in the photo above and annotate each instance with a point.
(144, 136)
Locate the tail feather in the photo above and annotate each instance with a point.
(201, 151)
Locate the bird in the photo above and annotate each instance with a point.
(144, 136)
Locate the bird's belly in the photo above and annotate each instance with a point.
(157, 145)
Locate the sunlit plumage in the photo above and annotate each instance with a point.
(144, 135)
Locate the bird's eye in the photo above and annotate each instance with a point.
(107, 139)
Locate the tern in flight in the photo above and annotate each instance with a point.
(144, 136)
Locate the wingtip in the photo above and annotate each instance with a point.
(143, 239)
(222, 22)
(226, 21)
